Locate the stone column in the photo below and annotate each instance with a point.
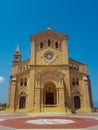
(41, 99)
(57, 93)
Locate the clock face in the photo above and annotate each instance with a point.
(49, 55)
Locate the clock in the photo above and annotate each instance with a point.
(49, 55)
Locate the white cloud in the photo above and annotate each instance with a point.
(2, 79)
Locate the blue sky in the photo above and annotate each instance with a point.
(21, 18)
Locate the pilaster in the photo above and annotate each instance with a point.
(37, 105)
(11, 104)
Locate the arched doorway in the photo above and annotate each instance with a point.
(77, 103)
(22, 102)
(49, 94)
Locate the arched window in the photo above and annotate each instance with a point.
(85, 81)
(56, 45)
(77, 81)
(73, 82)
(49, 42)
(41, 45)
(16, 57)
(21, 82)
(25, 82)
(71, 66)
(74, 67)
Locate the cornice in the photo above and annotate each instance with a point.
(74, 72)
(56, 67)
(25, 72)
(49, 70)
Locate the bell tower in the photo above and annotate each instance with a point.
(49, 48)
(17, 56)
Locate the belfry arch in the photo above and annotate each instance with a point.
(49, 94)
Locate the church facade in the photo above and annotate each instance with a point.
(49, 81)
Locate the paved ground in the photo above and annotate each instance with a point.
(23, 121)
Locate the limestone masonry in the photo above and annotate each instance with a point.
(49, 81)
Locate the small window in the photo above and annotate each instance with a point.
(85, 81)
(25, 82)
(74, 67)
(71, 66)
(49, 42)
(16, 57)
(41, 45)
(21, 82)
(56, 45)
(73, 82)
(77, 81)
